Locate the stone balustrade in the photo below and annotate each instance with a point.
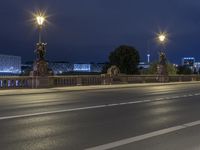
(14, 82)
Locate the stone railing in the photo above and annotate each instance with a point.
(9, 82)
(59, 81)
(13, 82)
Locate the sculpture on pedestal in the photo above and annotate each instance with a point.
(162, 68)
(40, 66)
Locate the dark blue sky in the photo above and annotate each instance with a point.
(87, 30)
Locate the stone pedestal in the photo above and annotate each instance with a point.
(41, 75)
(40, 68)
(162, 69)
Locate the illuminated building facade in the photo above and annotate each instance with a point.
(65, 67)
(188, 61)
(10, 65)
(197, 67)
(60, 67)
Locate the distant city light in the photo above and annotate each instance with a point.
(82, 67)
(188, 58)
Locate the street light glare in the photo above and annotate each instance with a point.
(40, 20)
(162, 38)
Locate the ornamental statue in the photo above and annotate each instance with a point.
(40, 51)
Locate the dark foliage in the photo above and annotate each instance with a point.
(126, 58)
(184, 70)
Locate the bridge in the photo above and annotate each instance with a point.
(149, 116)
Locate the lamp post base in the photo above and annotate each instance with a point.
(40, 68)
(41, 74)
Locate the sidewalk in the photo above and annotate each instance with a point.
(7, 92)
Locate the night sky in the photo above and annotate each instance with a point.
(87, 30)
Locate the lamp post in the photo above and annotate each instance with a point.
(40, 66)
(40, 21)
(162, 65)
(40, 71)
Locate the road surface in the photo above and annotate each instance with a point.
(153, 117)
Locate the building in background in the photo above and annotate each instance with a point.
(10, 65)
(197, 67)
(66, 68)
(143, 65)
(188, 61)
(61, 67)
(82, 67)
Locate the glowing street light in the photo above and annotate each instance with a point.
(40, 20)
(162, 37)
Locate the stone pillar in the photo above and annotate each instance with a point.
(40, 82)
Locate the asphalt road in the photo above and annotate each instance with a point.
(140, 118)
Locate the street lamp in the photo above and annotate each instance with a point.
(162, 38)
(40, 66)
(40, 22)
(162, 66)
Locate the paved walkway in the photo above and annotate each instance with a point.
(82, 88)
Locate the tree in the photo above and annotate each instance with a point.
(105, 67)
(171, 69)
(184, 70)
(126, 58)
(152, 68)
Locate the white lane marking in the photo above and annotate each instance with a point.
(89, 107)
(144, 136)
(175, 97)
(51, 112)
(110, 105)
(158, 99)
(123, 103)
